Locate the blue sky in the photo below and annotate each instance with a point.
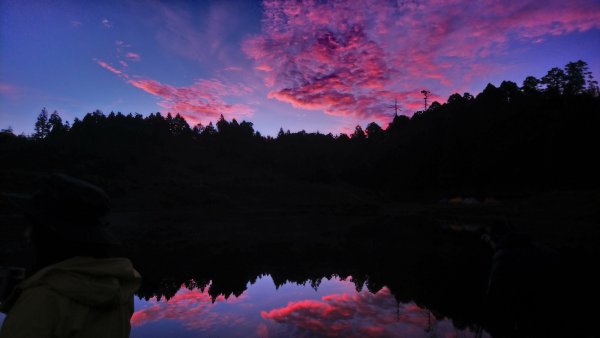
(298, 65)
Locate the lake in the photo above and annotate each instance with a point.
(395, 278)
(333, 309)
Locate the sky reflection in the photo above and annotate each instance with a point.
(334, 309)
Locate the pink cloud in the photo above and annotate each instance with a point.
(110, 68)
(133, 56)
(348, 58)
(199, 103)
(264, 68)
(352, 315)
(346, 128)
(190, 307)
(262, 331)
(9, 90)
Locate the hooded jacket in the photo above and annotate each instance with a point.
(78, 297)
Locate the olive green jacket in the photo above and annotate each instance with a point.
(78, 297)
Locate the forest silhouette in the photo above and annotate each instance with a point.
(223, 205)
(536, 137)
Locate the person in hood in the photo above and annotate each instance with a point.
(77, 288)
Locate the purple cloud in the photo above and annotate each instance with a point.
(131, 56)
(198, 103)
(350, 58)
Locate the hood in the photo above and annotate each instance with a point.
(90, 281)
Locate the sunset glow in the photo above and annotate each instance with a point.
(313, 65)
(335, 309)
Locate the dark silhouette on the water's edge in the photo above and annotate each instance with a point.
(404, 206)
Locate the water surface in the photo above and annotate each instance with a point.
(334, 308)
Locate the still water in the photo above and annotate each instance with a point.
(333, 309)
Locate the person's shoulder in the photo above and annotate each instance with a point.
(34, 313)
(35, 299)
(39, 294)
(117, 266)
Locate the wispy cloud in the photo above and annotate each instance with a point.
(106, 23)
(192, 308)
(211, 36)
(348, 58)
(121, 43)
(124, 53)
(352, 315)
(110, 68)
(200, 102)
(131, 56)
(10, 91)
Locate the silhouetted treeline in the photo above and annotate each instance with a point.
(541, 135)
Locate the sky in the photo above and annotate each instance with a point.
(333, 309)
(323, 65)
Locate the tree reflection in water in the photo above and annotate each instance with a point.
(417, 263)
(333, 309)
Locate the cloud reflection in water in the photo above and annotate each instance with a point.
(334, 309)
